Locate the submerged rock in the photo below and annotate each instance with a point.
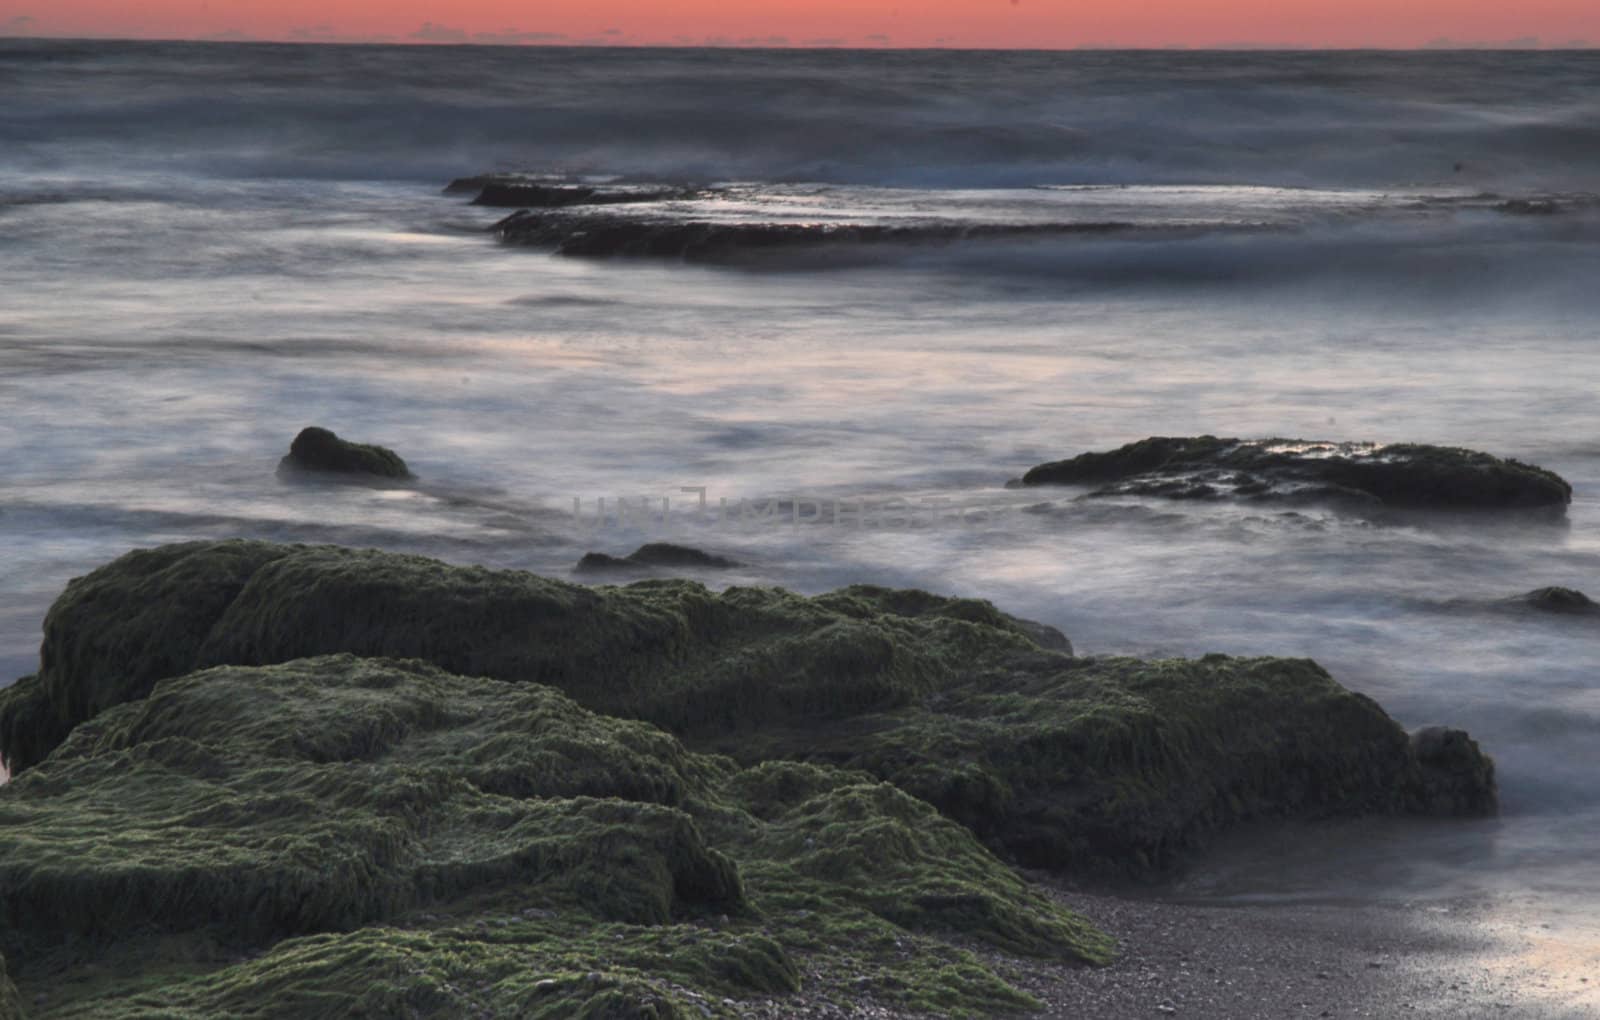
(655, 554)
(1559, 600)
(1112, 765)
(613, 234)
(1398, 475)
(523, 194)
(450, 846)
(319, 451)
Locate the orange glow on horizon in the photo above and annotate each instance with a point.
(1044, 24)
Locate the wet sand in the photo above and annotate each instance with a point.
(1452, 961)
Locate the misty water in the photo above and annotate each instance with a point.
(205, 248)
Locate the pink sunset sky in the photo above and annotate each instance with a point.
(899, 23)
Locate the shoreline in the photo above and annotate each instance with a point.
(1451, 960)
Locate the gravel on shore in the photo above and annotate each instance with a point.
(1450, 961)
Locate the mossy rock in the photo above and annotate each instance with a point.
(318, 451)
(341, 836)
(10, 1001)
(656, 554)
(30, 725)
(323, 794)
(667, 651)
(1112, 765)
(833, 829)
(1127, 766)
(1403, 475)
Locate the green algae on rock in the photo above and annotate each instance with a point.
(1126, 766)
(319, 451)
(667, 651)
(323, 794)
(10, 1002)
(656, 554)
(1113, 765)
(1405, 475)
(29, 724)
(455, 844)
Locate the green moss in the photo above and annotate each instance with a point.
(386, 972)
(1073, 764)
(1124, 765)
(450, 846)
(10, 1001)
(320, 795)
(29, 723)
(898, 858)
(667, 651)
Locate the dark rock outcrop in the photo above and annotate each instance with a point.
(519, 191)
(1559, 600)
(1457, 778)
(1086, 765)
(450, 846)
(318, 451)
(1401, 475)
(10, 1001)
(612, 234)
(524, 195)
(656, 554)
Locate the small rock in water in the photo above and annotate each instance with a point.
(320, 451)
(1560, 600)
(1389, 475)
(656, 554)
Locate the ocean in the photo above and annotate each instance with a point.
(206, 247)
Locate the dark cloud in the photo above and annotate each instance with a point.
(229, 35)
(764, 40)
(326, 33)
(825, 42)
(1257, 44)
(517, 37)
(22, 24)
(878, 39)
(1444, 42)
(429, 32)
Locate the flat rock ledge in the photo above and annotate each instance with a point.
(1400, 475)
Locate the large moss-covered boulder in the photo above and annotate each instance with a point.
(671, 652)
(1077, 764)
(1125, 765)
(1405, 475)
(320, 453)
(340, 836)
(321, 794)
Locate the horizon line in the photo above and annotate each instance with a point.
(570, 44)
